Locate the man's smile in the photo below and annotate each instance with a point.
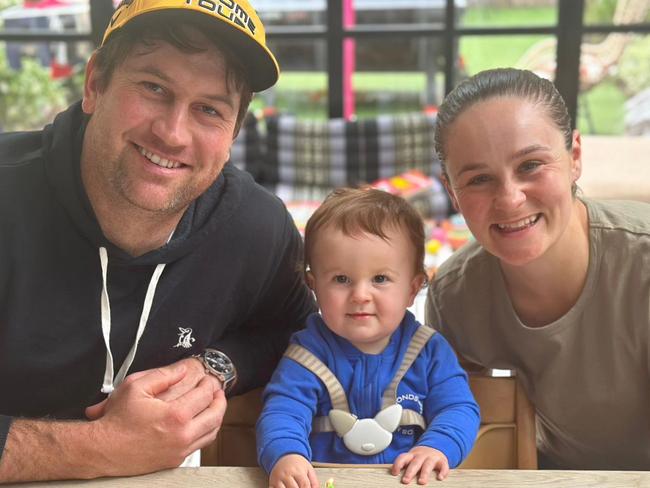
(159, 160)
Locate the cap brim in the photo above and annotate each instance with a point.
(257, 60)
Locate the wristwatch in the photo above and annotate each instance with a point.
(218, 364)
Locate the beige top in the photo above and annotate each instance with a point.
(588, 372)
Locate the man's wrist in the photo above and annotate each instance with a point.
(41, 450)
(219, 365)
(198, 364)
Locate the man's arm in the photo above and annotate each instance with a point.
(135, 431)
(257, 345)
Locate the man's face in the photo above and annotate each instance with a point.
(160, 132)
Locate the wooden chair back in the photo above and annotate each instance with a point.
(506, 439)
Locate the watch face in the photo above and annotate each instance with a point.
(219, 362)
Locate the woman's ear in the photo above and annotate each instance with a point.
(576, 156)
(450, 191)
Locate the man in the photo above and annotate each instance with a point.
(128, 246)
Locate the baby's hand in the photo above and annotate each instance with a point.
(293, 470)
(421, 460)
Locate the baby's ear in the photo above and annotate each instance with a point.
(416, 286)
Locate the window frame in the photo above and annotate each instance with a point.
(568, 31)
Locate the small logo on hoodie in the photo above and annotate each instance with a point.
(185, 338)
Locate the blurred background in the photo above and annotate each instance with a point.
(361, 58)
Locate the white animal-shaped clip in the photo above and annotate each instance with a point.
(370, 436)
(366, 436)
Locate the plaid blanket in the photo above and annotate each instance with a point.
(306, 159)
(246, 151)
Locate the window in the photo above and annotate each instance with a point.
(363, 57)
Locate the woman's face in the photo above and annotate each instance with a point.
(510, 175)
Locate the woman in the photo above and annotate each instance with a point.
(556, 286)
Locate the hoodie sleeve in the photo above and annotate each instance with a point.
(451, 412)
(285, 302)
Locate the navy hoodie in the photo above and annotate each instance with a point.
(232, 280)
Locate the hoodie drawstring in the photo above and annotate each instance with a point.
(111, 382)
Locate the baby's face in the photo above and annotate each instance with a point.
(363, 284)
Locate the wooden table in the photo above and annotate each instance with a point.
(228, 477)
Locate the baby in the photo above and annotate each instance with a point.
(364, 382)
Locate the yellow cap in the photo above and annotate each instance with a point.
(237, 20)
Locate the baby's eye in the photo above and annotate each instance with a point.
(380, 279)
(342, 279)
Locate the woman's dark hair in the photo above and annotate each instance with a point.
(501, 82)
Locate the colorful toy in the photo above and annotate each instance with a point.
(433, 246)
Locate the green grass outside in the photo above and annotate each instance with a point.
(385, 81)
(601, 110)
(509, 17)
(481, 52)
(305, 94)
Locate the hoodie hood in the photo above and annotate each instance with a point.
(64, 174)
(63, 142)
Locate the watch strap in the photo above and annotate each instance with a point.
(227, 381)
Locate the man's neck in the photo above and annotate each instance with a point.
(137, 236)
(132, 229)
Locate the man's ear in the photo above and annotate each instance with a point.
(450, 191)
(91, 86)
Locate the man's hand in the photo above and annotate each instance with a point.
(194, 374)
(423, 460)
(160, 416)
(293, 471)
(152, 421)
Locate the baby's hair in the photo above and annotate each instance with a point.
(355, 211)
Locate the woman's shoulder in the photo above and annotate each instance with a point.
(619, 215)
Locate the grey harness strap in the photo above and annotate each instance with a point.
(337, 395)
(307, 359)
